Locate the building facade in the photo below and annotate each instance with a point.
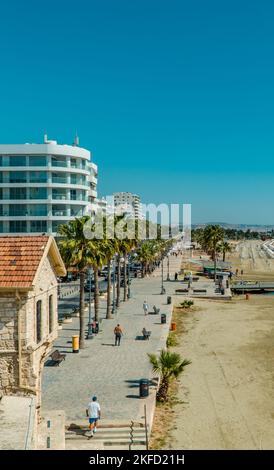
(28, 312)
(44, 185)
(128, 203)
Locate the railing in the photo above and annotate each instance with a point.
(59, 196)
(59, 180)
(62, 213)
(59, 163)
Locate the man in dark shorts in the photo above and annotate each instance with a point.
(118, 334)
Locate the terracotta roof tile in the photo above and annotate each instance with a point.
(19, 259)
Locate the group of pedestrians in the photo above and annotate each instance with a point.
(118, 332)
(93, 410)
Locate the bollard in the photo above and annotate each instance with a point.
(173, 326)
(75, 344)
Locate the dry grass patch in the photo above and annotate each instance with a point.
(163, 420)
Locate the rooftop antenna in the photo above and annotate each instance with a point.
(76, 140)
(45, 137)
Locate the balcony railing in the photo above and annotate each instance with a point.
(59, 196)
(79, 181)
(59, 179)
(59, 213)
(59, 163)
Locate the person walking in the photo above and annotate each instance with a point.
(94, 413)
(176, 276)
(118, 334)
(145, 307)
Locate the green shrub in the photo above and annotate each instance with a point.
(171, 340)
(187, 303)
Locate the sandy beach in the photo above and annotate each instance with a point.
(227, 392)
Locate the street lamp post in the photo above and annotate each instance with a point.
(168, 277)
(114, 275)
(90, 334)
(163, 291)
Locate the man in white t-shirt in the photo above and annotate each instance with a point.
(93, 413)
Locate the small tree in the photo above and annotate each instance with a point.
(167, 366)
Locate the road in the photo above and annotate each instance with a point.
(70, 301)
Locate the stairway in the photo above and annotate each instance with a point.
(109, 435)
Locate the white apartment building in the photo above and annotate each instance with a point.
(44, 185)
(128, 203)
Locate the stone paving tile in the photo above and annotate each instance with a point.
(112, 373)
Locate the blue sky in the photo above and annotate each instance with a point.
(174, 98)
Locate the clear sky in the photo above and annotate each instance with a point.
(173, 97)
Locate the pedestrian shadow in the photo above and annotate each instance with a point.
(70, 329)
(107, 344)
(78, 430)
(50, 363)
(134, 383)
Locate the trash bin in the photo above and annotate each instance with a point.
(169, 300)
(144, 388)
(75, 344)
(173, 326)
(163, 318)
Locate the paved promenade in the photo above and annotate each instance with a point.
(112, 373)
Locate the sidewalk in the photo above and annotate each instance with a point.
(112, 373)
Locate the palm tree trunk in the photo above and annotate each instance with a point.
(118, 280)
(82, 311)
(125, 278)
(162, 393)
(214, 265)
(224, 256)
(108, 316)
(96, 294)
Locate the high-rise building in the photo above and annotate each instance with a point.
(128, 203)
(44, 185)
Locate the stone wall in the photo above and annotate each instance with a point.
(8, 342)
(24, 376)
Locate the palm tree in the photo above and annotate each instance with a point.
(225, 247)
(213, 234)
(125, 246)
(76, 250)
(109, 253)
(167, 366)
(145, 255)
(97, 257)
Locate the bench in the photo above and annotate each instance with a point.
(146, 334)
(57, 357)
(199, 291)
(156, 310)
(181, 291)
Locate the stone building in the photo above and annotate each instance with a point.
(29, 267)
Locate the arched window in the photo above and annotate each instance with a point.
(51, 318)
(38, 321)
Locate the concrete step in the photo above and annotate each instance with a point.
(104, 423)
(114, 435)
